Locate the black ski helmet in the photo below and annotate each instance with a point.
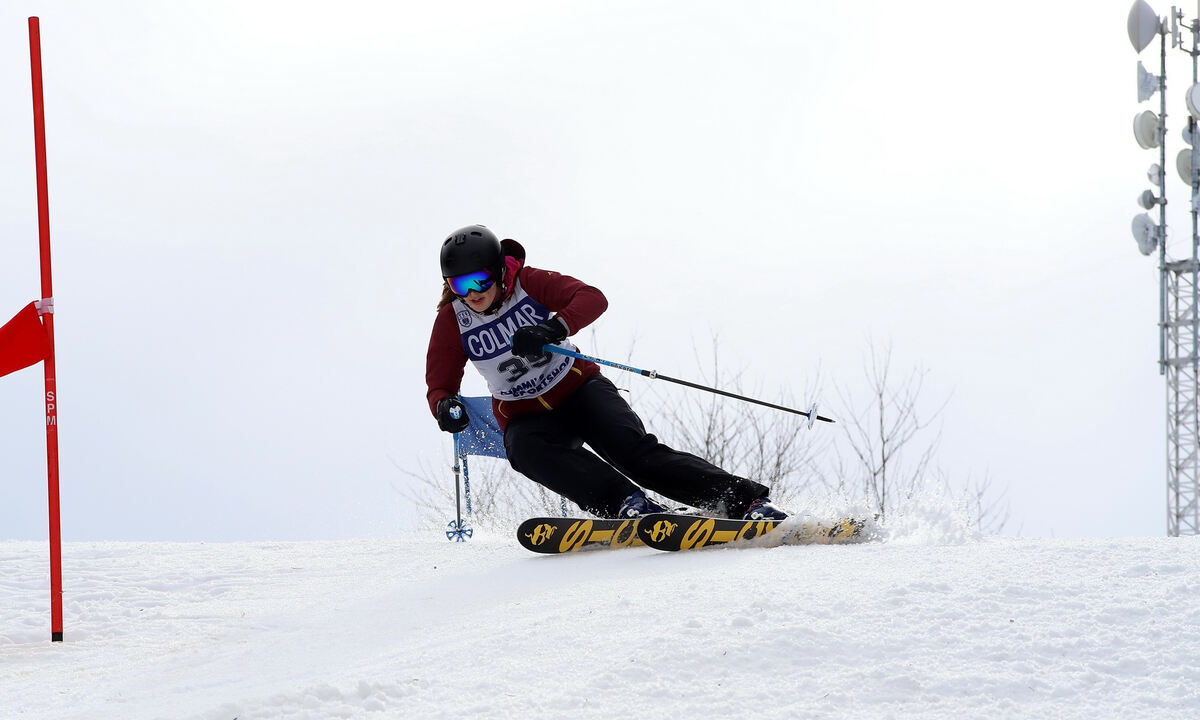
(471, 248)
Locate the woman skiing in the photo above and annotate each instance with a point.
(498, 313)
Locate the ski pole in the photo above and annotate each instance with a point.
(457, 529)
(654, 374)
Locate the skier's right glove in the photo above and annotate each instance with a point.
(452, 415)
(528, 341)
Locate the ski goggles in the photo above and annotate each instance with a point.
(479, 281)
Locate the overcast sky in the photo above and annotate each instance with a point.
(247, 201)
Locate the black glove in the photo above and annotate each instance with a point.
(452, 415)
(528, 341)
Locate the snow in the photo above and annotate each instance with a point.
(919, 625)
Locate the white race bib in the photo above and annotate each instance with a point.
(487, 341)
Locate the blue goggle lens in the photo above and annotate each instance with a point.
(479, 281)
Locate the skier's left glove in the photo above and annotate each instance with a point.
(528, 341)
(452, 415)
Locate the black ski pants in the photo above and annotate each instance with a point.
(548, 448)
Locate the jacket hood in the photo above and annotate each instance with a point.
(514, 260)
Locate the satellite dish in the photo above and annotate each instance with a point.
(1192, 99)
(1188, 135)
(1183, 164)
(1147, 83)
(1146, 234)
(1154, 172)
(1145, 129)
(1147, 200)
(1142, 25)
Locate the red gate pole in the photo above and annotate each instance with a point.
(46, 308)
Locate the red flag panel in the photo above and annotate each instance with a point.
(22, 341)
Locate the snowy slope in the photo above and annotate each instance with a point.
(422, 628)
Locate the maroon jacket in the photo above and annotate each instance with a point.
(576, 302)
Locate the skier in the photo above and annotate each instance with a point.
(498, 313)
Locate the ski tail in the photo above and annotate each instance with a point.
(557, 535)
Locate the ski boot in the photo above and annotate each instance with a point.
(762, 509)
(637, 505)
